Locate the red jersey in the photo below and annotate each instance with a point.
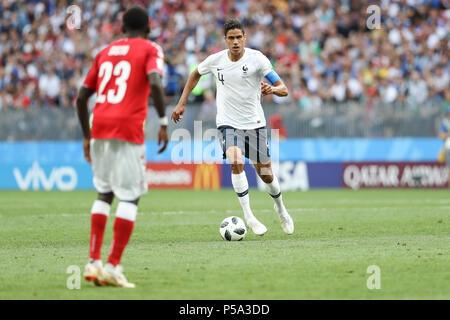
(119, 77)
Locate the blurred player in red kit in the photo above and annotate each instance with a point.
(123, 75)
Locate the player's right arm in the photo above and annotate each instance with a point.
(86, 91)
(192, 81)
(83, 115)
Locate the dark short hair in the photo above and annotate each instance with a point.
(231, 24)
(136, 19)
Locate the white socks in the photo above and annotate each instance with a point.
(126, 210)
(240, 185)
(101, 207)
(274, 191)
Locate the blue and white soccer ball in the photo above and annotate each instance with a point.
(233, 229)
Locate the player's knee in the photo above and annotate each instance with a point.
(234, 156)
(267, 178)
(237, 168)
(106, 197)
(265, 172)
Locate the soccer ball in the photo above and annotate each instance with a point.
(233, 229)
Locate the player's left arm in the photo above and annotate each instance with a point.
(275, 86)
(157, 93)
(83, 115)
(278, 89)
(154, 69)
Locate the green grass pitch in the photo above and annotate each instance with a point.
(176, 251)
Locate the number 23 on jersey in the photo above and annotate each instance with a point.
(121, 72)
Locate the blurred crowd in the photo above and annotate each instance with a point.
(325, 51)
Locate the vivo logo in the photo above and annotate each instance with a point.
(63, 178)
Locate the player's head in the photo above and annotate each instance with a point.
(234, 35)
(135, 20)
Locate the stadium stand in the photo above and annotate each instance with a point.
(344, 78)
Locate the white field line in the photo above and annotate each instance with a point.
(52, 215)
(228, 211)
(231, 212)
(237, 212)
(394, 201)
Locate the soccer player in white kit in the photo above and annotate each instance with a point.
(239, 74)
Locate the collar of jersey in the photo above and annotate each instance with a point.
(245, 53)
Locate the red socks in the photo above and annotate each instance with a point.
(123, 227)
(122, 233)
(98, 223)
(99, 216)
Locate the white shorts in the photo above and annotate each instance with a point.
(119, 167)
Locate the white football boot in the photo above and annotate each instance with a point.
(257, 227)
(93, 271)
(287, 224)
(114, 276)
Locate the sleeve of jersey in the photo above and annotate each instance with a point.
(443, 128)
(267, 70)
(155, 60)
(204, 66)
(91, 79)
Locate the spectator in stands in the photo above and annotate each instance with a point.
(49, 87)
(417, 90)
(326, 44)
(276, 123)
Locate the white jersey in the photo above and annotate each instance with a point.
(238, 87)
